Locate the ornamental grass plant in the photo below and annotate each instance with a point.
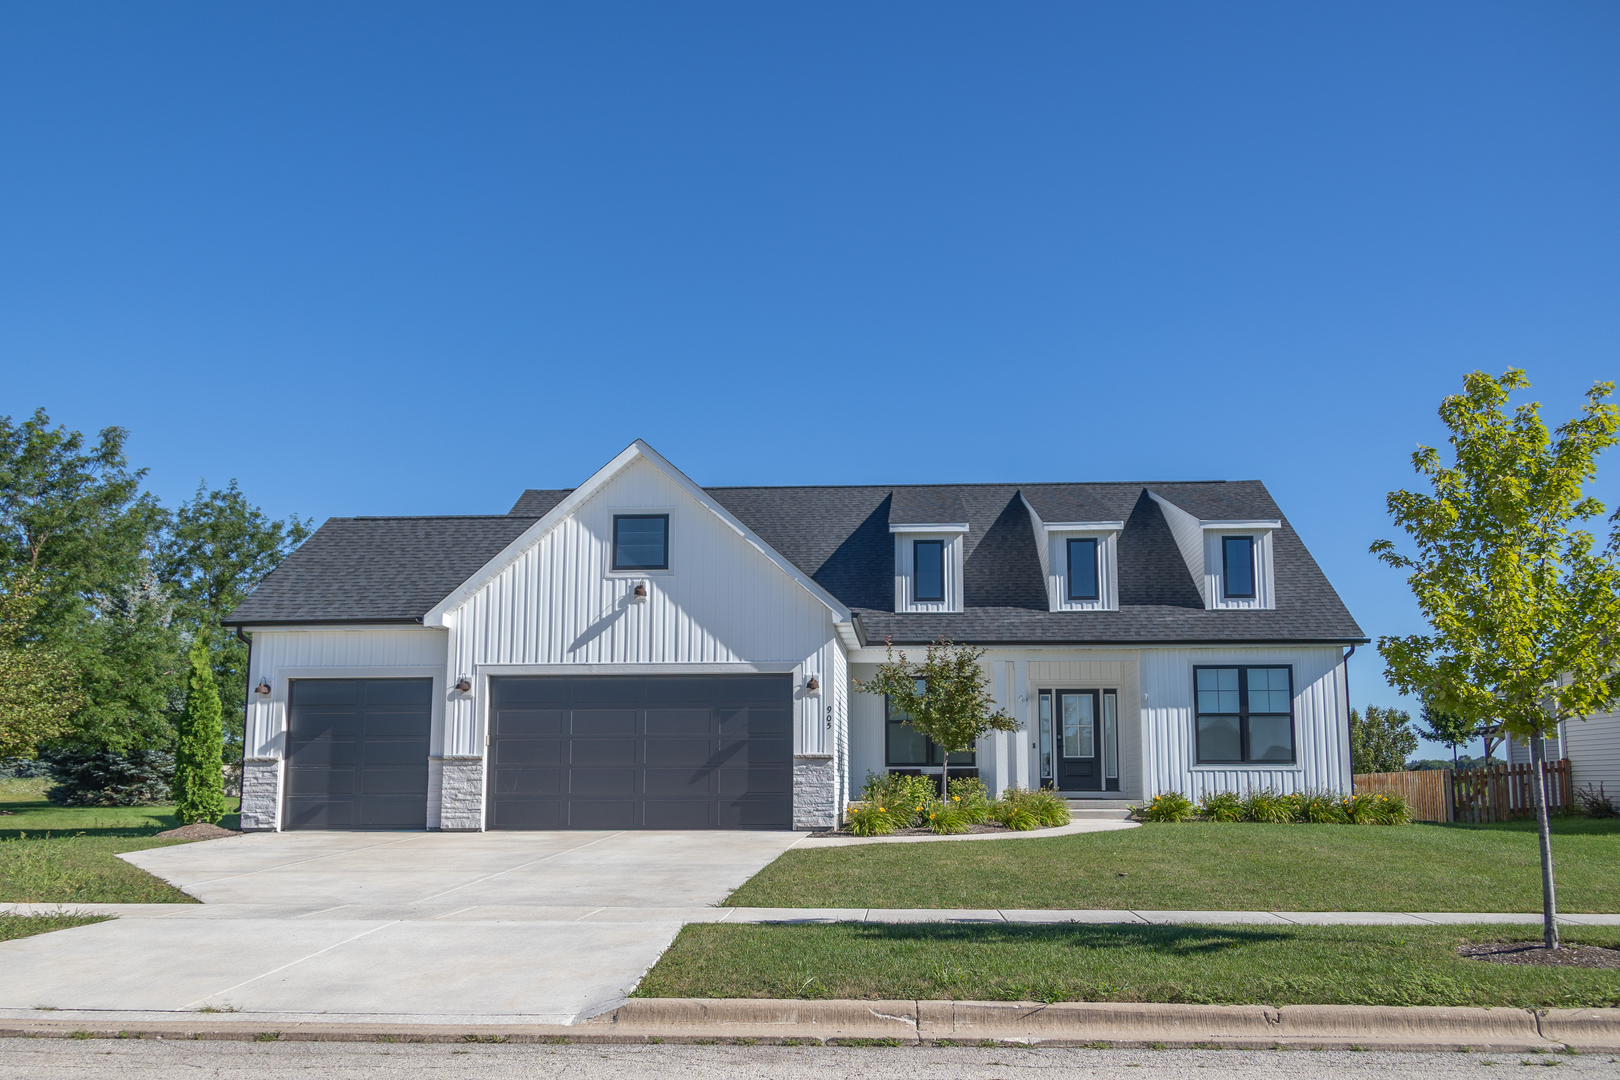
(1172, 806)
(1271, 808)
(1221, 806)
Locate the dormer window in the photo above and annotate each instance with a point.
(1237, 567)
(1082, 576)
(928, 558)
(641, 541)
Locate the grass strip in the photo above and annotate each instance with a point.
(68, 854)
(1202, 866)
(1225, 965)
(13, 927)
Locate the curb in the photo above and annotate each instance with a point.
(901, 1023)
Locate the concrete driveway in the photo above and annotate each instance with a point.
(547, 927)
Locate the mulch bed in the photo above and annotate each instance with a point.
(987, 827)
(1533, 952)
(200, 830)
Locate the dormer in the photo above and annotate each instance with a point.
(1231, 559)
(929, 528)
(1079, 560)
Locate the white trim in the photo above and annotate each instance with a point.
(497, 670)
(1083, 526)
(419, 672)
(637, 450)
(1241, 523)
(946, 527)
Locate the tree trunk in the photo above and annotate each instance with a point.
(1549, 899)
(944, 775)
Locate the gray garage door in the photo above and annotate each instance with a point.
(357, 753)
(676, 752)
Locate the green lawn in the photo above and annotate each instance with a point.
(55, 854)
(20, 926)
(1341, 965)
(1212, 867)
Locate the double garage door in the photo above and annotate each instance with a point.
(675, 752)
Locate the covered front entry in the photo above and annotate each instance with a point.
(644, 752)
(1079, 733)
(357, 753)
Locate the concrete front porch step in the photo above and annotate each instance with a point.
(1086, 802)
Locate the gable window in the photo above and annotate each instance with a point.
(641, 541)
(1083, 568)
(928, 556)
(905, 746)
(1245, 714)
(1237, 567)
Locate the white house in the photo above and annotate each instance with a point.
(641, 652)
(1592, 747)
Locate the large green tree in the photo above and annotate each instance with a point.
(73, 518)
(39, 687)
(217, 547)
(1381, 740)
(1522, 602)
(946, 696)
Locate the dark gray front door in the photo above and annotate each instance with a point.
(357, 753)
(1079, 731)
(651, 752)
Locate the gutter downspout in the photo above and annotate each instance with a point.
(1347, 752)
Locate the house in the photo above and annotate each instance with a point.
(1592, 747)
(641, 652)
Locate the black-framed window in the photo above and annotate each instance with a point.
(928, 565)
(1245, 714)
(905, 746)
(1083, 568)
(1237, 567)
(641, 541)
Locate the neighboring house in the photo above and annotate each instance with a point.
(641, 652)
(1592, 747)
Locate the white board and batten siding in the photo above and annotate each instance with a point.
(1169, 723)
(280, 656)
(558, 607)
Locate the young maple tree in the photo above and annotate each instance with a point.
(1522, 603)
(946, 696)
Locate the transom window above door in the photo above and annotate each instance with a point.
(641, 541)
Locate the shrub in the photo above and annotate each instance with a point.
(1594, 803)
(903, 796)
(1393, 810)
(1267, 808)
(972, 798)
(109, 778)
(869, 819)
(1362, 808)
(1170, 806)
(1013, 810)
(944, 818)
(1221, 806)
(1318, 808)
(1050, 809)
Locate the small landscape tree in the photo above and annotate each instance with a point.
(1381, 740)
(199, 781)
(1521, 603)
(946, 696)
(39, 686)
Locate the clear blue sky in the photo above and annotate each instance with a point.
(399, 258)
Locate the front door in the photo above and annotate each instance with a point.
(1078, 768)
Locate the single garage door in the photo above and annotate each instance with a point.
(357, 753)
(657, 752)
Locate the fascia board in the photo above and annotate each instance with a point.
(944, 527)
(1084, 526)
(575, 499)
(1240, 523)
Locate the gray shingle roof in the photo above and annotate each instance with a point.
(397, 569)
(377, 569)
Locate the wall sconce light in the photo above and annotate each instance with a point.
(464, 684)
(639, 594)
(812, 688)
(263, 687)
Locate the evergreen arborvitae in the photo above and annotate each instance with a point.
(199, 780)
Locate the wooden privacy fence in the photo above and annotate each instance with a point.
(1494, 793)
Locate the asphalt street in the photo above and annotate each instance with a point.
(96, 1059)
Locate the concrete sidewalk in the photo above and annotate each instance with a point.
(580, 914)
